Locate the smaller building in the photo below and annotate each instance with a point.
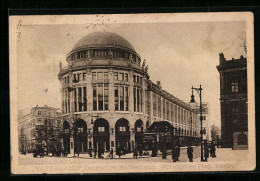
(205, 117)
(40, 126)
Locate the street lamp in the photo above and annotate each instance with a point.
(191, 135)
(201, 132)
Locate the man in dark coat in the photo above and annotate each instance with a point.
(154, 151)
(164, 153)
(212, 150)
(118, 151)
(111, 153)
(90, 152)
(99, 152)
(178, 152)
(174, 154)
(95, 152)
(190, 153)
(206, 152)
(135, 153)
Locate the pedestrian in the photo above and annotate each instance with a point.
(178, 152)
(123, 151)
(213, 150)
(164, 153)
(190, 153)
(95, 152)
(90, 152)
(99, 152)
(63, 152)
(135, 153)
(174, 154)
(118, 151)
(206, 152)
(140, 151)
(111, 154)
(154, 151)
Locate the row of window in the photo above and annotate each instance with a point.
(121, 76)
(104, 53)
(170, 111)
(44, 113)
(101, 98)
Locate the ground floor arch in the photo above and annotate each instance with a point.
(66, 136)
(101, 136)
(138, 130)
(80, 136)
(122, 134)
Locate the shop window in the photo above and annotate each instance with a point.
(101, 129)
(123, 129)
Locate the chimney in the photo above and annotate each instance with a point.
(159, 83)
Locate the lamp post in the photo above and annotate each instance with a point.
(191, 135)
(201, 132)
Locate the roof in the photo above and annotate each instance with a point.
(160, 126)
(103, 40)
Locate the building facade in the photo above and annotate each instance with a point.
(42, 126)
(108, 100)
(206, 124)
(233, 102)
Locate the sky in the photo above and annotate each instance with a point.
(179, 54)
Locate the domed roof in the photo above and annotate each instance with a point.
(103, 39)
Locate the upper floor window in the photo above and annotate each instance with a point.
(137, 79)
(234, 86)
(121, 76)
(99, 75)
(39, 113)
(100, 97)
(76, 77)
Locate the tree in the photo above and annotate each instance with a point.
(243, 42)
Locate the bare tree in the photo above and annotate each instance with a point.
(243, 42)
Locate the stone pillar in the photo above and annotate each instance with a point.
(131, 91)
(144, 87)
(111, 91)
(112, 136)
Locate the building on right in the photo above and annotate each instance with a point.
(233, 102)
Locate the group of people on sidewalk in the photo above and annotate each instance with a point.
(209, 150)
(99, 152)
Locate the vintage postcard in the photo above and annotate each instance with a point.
(132, 93)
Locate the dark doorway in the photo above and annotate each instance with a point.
(101, 135)
(122, 130)
(80, 136)
(138, 132)
(66, 136)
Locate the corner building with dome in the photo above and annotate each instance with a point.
(108, 100)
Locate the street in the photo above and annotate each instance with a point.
(223, 154)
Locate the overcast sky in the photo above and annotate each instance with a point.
(178, 54)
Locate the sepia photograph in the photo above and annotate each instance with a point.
(132, 93)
